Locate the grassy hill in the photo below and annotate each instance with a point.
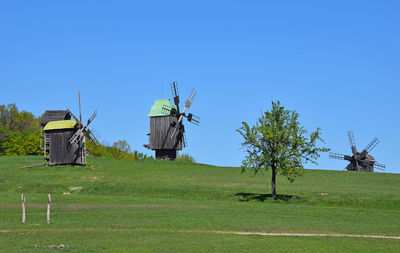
(163, 206)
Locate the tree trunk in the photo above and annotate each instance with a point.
(273, 184)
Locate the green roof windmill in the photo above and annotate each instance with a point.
(167, 132)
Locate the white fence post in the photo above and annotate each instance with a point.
(48, 208)
(23, 207)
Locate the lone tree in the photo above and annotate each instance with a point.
(278, 142)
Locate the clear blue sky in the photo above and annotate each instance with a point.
(335, 62)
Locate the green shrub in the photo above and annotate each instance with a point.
(185, 158)
(120, 150)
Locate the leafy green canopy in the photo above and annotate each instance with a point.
(19, 132)
(278, 142)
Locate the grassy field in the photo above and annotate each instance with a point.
(163, 206)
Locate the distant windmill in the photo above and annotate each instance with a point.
(64, 139)
(167, 132)
(360, 161)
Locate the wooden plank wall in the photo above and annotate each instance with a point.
(161, 129)
(61, 151)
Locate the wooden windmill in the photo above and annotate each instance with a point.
(359, 161)
(167, 132)
(64, 139)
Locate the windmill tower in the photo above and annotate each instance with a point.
(167, 132)
(64, 139)
(360, 161)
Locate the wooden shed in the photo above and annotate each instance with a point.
(161, 127)
(60, 150)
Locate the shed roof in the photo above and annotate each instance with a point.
(156, 109)
(60, 124)
(54, 115)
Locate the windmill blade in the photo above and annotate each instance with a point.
(371, 145)
(188, 103)
(184, 144)
(90, 119)
(193, 119)
(178, 125)
(340, 156)
(168, 110)
(88, 133)
(175, 94)
(352, 142)
(77, 136)
(379, 166)
(190, 99)
(80, 109)
(80, 132)
(336, 156)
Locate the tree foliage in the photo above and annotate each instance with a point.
(19, 132)
(278, 142)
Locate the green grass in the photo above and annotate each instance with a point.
(164, 206)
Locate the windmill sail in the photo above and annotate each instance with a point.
(352, 142)
(167, 130)
(359, 161)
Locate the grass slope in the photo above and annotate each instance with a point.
(163, 206)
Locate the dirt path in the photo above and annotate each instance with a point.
(205, 231)
(309, 235)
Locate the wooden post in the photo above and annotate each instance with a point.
(80, 109)
(23, 207)
(48, 208)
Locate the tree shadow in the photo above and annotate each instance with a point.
(247, 196)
